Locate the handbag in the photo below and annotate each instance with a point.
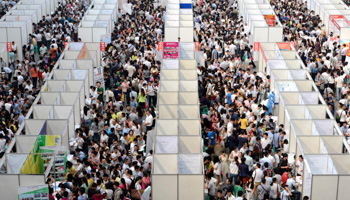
(135, 194)
(266, 194)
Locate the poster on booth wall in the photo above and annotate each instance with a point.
(270, 20)
(170, 50)
(36, 192)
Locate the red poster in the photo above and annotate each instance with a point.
(256, 46)
(65, 44)
(270, 20)
(9, 46)
(196, 44)
(102, 46)
(160, 46)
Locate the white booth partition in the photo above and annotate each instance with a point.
(41, 3)
(299, 127)
(24, 10)
(294, 98)
(319, 144)
(10, 182)
(3, 52)
(14, 31)
(25, 18)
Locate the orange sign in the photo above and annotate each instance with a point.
(256, 46)
(102, 46)
(284, 46)
(196, 44)
(270, 20)
(348, 51)
(160, 46)
(9, 46)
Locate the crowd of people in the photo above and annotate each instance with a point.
(247, 152)
(109, 160)
(246, 155)
(6, 5)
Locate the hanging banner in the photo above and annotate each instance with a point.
(256, 46)
(33, 192)
(160, 46)
(270, 20)
(102, 46)
(9, 47)
(284, 46)
(196, 46)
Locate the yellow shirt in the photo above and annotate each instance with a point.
(90, 181)
(119, 114)
(244, 123)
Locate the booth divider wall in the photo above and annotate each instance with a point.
(176, 140)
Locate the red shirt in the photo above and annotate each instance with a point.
(284, 178)
(95, 197)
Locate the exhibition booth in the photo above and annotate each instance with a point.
(98, 21)
(333, 14)
(42, 141)
(260, 18)
(14, 32)
(310, 127)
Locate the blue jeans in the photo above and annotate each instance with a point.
(234, 176)
(338, 93)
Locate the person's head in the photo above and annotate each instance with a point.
(219, 193)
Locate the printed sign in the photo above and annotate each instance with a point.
(270, 20)
(102, 46)
(33, 192)
(196, 44)
(256, 46)
(65, 44)
(160, 46)
(170, 50)
(9, 47)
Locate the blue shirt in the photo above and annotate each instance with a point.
(211, 136)
(229, 98)
(264, 160)
(276, 139)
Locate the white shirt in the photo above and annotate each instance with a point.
(149, 120)
(301, 167)
(258, 175)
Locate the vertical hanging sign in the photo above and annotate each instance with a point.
(65, 44)
(196, 44)
(160, 46)
(102, 46)
(9, 46)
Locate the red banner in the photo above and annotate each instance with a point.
(256, 46)
(196, 45)
(9, 46)
(160, 46)
(102, 46)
